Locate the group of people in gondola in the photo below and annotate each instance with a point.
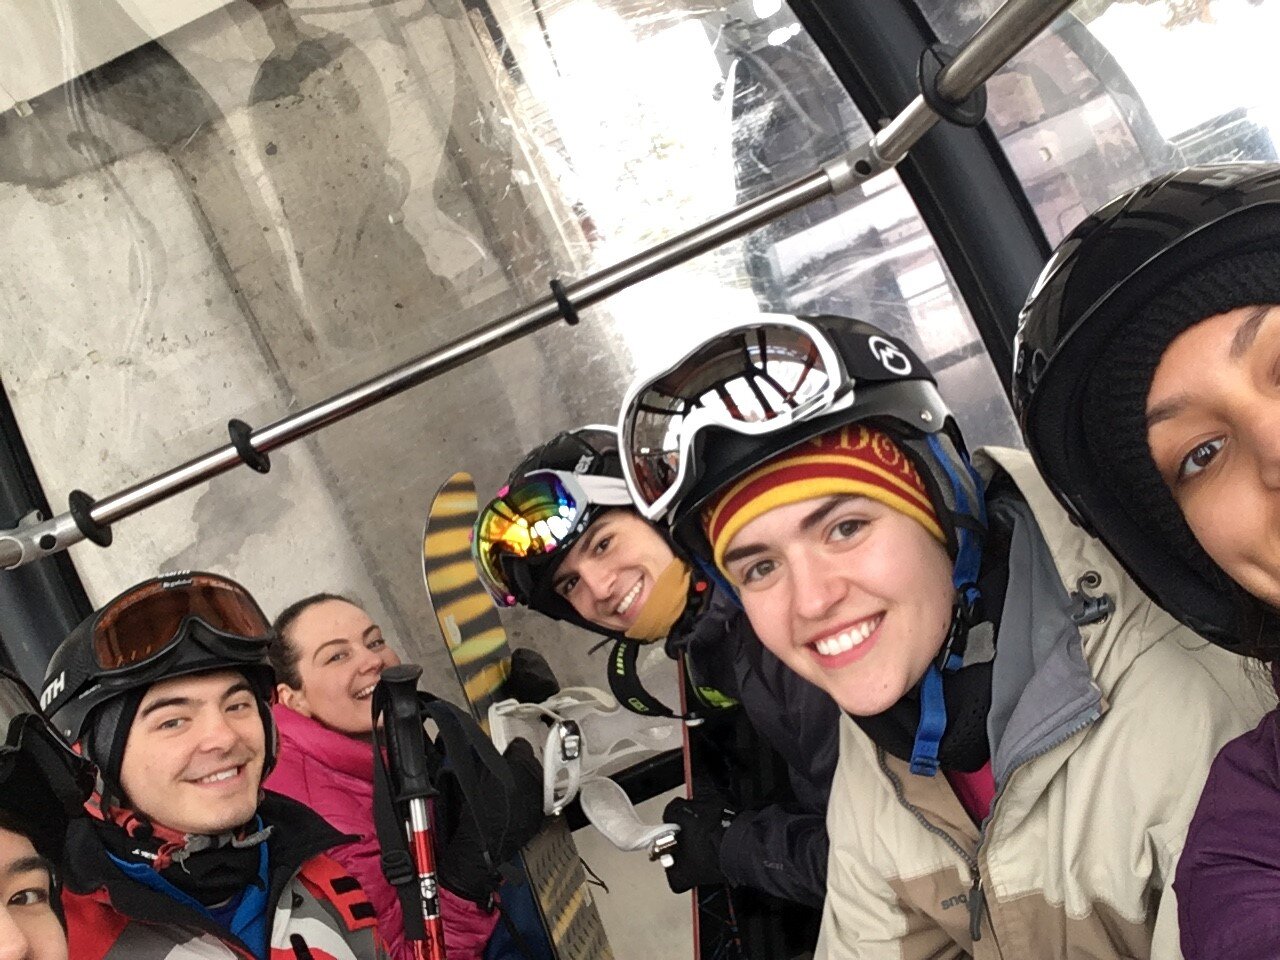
(1024, 698)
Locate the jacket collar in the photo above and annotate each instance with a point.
(332, 749)
(299, 835)
(1042, 690)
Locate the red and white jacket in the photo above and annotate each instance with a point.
(320, 912)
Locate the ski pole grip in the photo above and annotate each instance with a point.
(406, 741)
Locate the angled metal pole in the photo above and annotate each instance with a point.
(1009, 29)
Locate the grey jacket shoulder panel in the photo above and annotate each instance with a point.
(1042, 690)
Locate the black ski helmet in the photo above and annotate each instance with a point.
(175, 625)
(763, 387)
(590, 451)
(43, 784)
(891, 388)
(1114, 295)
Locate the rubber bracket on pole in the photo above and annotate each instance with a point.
(967, 113)
(81, 504)
(240, 439)
(567, 309)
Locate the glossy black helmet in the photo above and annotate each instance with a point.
(178, 624)
(762, 387)
(550, 499)
(1114, 294)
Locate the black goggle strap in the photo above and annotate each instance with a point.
(625, 684)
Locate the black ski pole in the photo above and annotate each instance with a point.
(411, 785)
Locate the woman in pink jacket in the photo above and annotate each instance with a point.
(328, 656)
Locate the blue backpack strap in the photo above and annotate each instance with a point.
(969, 504)
(712, 573)
(933, 706)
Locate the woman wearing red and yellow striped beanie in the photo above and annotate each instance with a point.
(1015, 750)
(835, 545)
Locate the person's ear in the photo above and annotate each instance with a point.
(295, 700)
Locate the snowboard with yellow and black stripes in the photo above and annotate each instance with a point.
(477, 644)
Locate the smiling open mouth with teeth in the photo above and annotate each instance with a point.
(366, 693)
(849, 638)
(220, 776)
(630, 598)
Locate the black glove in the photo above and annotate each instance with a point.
(696, 856)
(526, 816)
(480, 835)
(530, 680)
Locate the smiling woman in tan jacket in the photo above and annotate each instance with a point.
(1017, 764)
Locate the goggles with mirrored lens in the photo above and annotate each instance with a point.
(542, 514)
(756, 378)
(144, 623)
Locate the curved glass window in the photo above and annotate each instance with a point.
(1118, 91)
(215, 210)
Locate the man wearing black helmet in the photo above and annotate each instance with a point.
(43, 785)
(1014, 750)
(564, 539)
(167, 689)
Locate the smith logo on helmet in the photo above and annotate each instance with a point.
(55, 687)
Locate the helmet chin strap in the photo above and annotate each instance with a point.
(964, 577)
(933, 706)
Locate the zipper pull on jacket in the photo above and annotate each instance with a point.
(977, 901)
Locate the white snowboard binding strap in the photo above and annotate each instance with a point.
(611, 812)
(609, 738)
(589, 738)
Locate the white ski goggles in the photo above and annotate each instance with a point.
(753, 379)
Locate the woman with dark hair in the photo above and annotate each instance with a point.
(1148, 386)
(328, 655)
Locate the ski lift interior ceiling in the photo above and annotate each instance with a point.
(218, 210)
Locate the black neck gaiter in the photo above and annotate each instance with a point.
(211, 870)
(965, 746)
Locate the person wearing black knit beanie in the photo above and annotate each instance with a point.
(1118, 399)
(1148, 387)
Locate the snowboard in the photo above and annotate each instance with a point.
(477, 644)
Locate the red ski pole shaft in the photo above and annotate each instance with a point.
(424, 859)
(407, 754)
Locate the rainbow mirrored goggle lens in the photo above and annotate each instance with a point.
(753, 379)
(145, 622)
(542, 514)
